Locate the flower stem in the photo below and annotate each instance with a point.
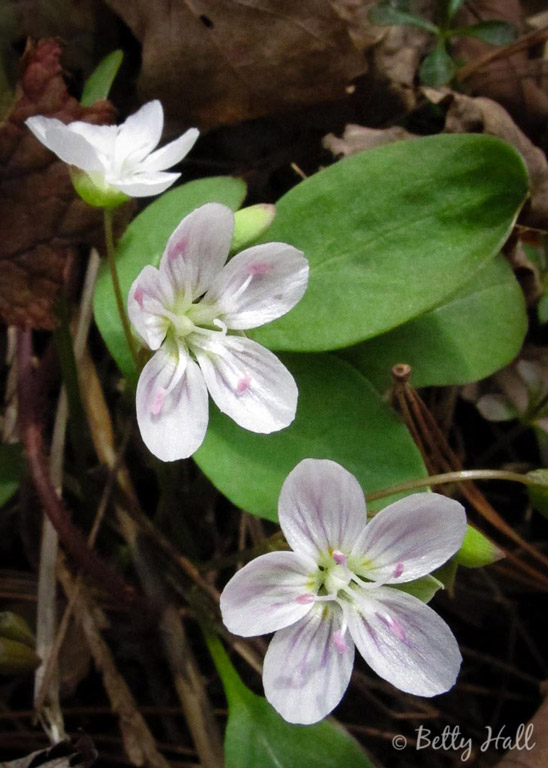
(454, 477)
(111, 258)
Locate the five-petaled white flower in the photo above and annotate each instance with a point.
(338, 588)
(118, 156)
(185, 310)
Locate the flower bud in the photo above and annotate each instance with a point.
(250, 223)
(477, 550)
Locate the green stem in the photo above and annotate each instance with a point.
(454, 477)
(111, 257)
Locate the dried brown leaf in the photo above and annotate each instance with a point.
(78, 753)
(221, 61)
(42, 220)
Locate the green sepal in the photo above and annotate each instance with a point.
(95, 191)
(250, 223)
(477, 550)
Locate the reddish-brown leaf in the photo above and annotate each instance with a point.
(42, 220)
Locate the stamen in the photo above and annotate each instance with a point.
(219, 324)
(236, 295)
(339, 557)
(305, 599)
(394, 626)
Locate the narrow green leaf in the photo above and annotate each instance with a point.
(390, 232)
(339, 416)
(438, 68)
(143, 243)
(99, 83)
(538, 494)
(385, 15)
(492, 32)
(472, 334)
(477, 550)
(453, 7)
(12, 468)
(14, 627)
(256, 736)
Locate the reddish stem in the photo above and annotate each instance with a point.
(31, 435)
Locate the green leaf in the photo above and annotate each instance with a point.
(385, 15)
(438, 68)
(542, 310)
(492, 32)
(14, 627)
(477, 550)
(99, 83)
(424, 588)
(453, 6)
(538, 493)
(475, 332)
(143, 243)
(390, 232)
(339, 416)
(16, 658)
(256, 735)
(12, 469)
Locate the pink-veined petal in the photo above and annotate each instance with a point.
(70, 147)
(258, 285)
(305, 671)
(262, 596)
(198, 248)
(138, 135)
(147, 300)
(410, 538)
(172, 407)
(171, 154)
(247, 381)
(321, 508)
(404, 641)
(144, 184)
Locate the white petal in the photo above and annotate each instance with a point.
(405, 641)
(139, 134)
(198, 248)
(172, 408)
(172, 153)
(68, 146)
(410, 538)
(246, 381)
(259, 284)
(147, 300)
(321, 508)
(262, 597)
(101, 137)
(304, 674)
(144, 185)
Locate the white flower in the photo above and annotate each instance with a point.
(185, 310)
(338, 589)
(119, 156)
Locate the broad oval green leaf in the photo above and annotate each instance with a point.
(143, 243)
(390, 232)
(474, 333)
(257, 737)
(12, 468)
(99, 83)
(340, 416)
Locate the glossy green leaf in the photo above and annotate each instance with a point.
(340, 416)
(475, 332)
(385, 15)
(143, 243)
(257, 737)
(438, 68)
(492, 32)
(12, 468)
(477, 550)
(99, 83)
(390, 232)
